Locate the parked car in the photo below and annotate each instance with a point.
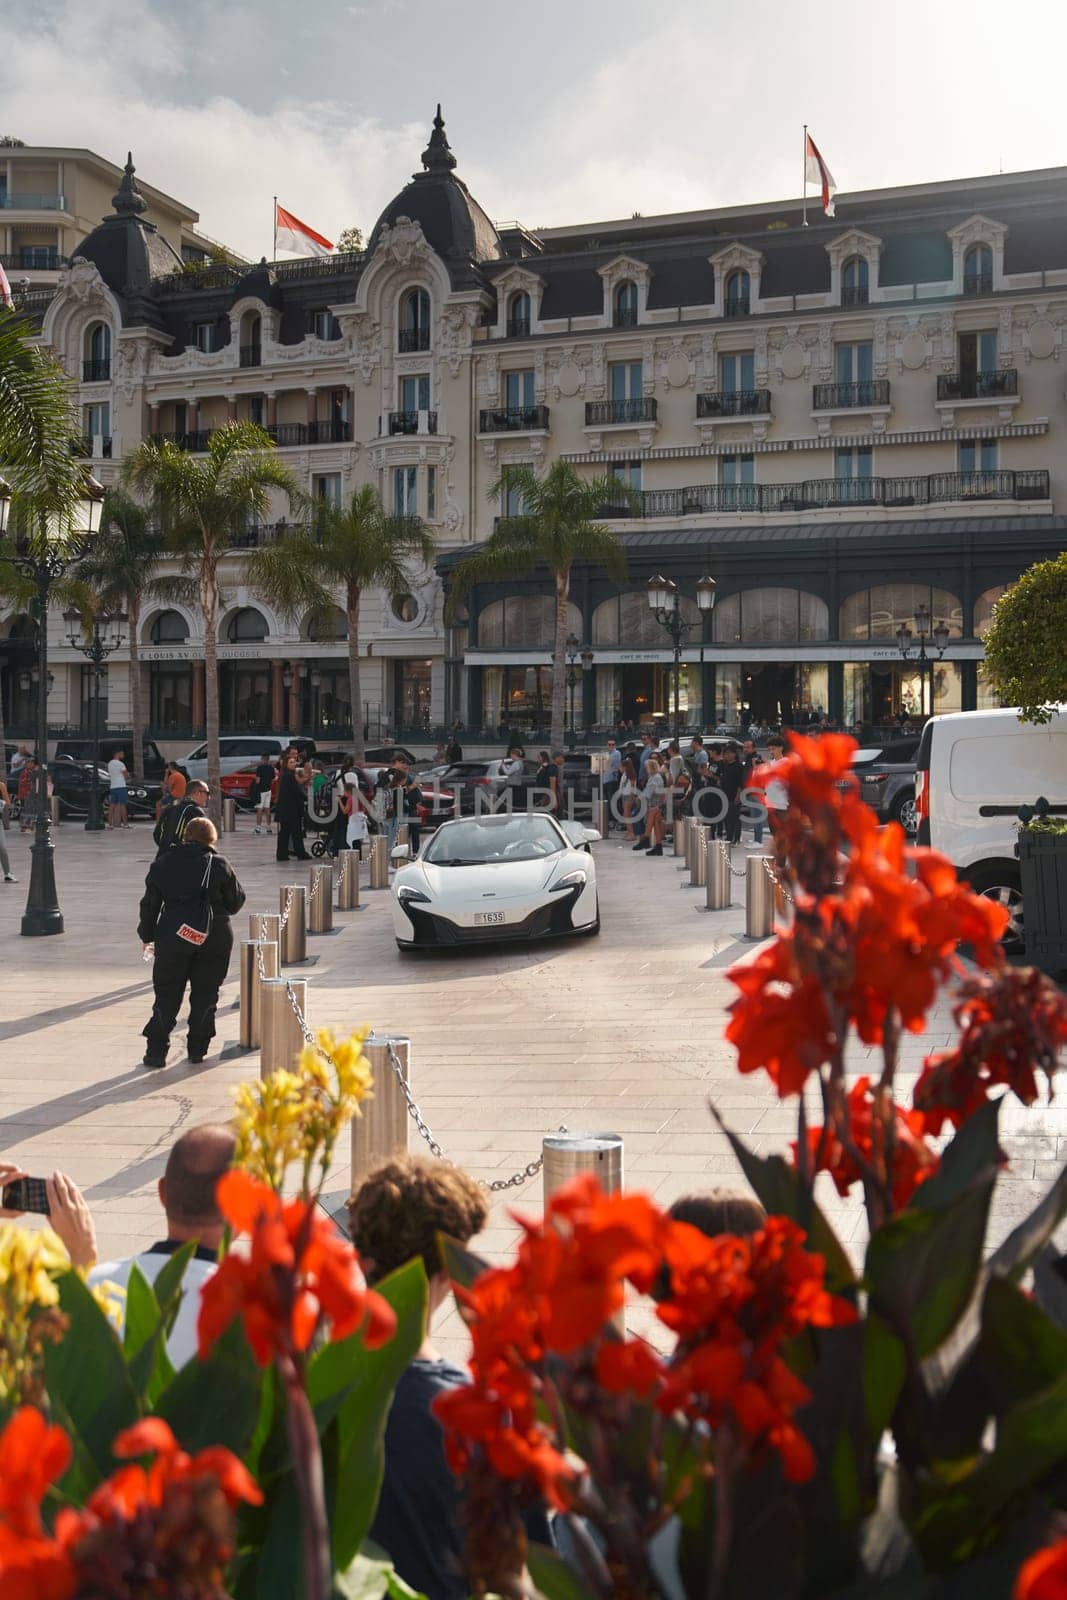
(887, 780)
(71, 781)
(82, 750)
(973, 771)
(242, 751)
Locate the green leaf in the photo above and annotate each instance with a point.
(170, 1280)
(781, 1192)
(885, 1366)
(1024, 1244)
(144, 1343)
(922, 1266)
(216, 1401)
(89, 1385)
(552, 1576)
(370, 1576)
(1020, 1351)
(973, 1153)
(461, 1264)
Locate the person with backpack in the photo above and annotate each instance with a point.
(190, 895)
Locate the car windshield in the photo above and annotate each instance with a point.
(485, 841)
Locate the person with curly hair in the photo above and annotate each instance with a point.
(394, 1215)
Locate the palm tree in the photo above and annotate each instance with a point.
(123, 572)
(203, 506)
(351, 548)
(36, 414)
(556, 528)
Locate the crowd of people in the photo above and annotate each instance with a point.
(645, 784)
(398, 1213)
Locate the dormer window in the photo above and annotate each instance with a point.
(251, 340)
(96, 367)
(855, 282)
(978, 270)
(624, 314)
(738, 298)
(519, 316)
(414, 321)
(323, 324)
(205, 337)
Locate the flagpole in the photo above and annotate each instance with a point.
(275, 228)
(804, 168)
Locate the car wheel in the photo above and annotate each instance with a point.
(905, 813)
(1004, 885)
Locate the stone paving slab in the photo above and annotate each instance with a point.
(622, 1032)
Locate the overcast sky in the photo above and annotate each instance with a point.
(570, 110)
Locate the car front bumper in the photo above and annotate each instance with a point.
(421, 926)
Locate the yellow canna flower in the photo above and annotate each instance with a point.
(30, 1264)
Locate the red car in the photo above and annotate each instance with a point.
(241, 786)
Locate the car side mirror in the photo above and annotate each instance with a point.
(401, 852)
(591, 835)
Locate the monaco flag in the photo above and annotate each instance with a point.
(818, 173)
(292, 234)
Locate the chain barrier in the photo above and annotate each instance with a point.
(517, 1179)
(288, 906)
(259, 947)
(342, 872)
(316, 885)
(724, 851)
(778, 884)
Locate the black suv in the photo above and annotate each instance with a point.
(887, 780)
(71, 781)
(82, 750)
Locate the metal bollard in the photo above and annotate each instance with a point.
(681, 830)
(264, 925)
(379, 862)
(759, 898)
(565, 1155)
(229, 814)
(294, 936)
(348, 881)
(698, 862)
(403, 834)
(600, 819)
(53, 806)
(281, 1038)
(718, 875)
(320, 899)
(382, 1130)
(250, 1019)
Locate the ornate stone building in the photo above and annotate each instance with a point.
(839, 422)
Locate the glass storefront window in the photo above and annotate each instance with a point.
(86, 696)
(988, 699)
(244, 695)
(332, 704)
(628, 620)
(983, 609)
(170, 695)
(771, 616)
(877, 613)
(876, 692)
(412, 694)
(518, 697)
(524, 621)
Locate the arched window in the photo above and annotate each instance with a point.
(627, 619)
(978, 270)
(738, 293)
(251, 339)
(771, 616)
(97, 364)
(983, 609)
(246, 626)
(855, 282)
(625, 308)
(327, 629)
(519, 316)
(170, 627)
(523, 622)
(415, 321)
(877, 613)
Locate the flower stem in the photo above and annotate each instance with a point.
(307, 1467)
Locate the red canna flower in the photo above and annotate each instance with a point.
(912, 1159)
(299, 1274)
(33, 1456)
(1044, 1576)
(1013, 1025)
(630, 1368)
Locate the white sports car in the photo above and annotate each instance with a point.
(485, 878)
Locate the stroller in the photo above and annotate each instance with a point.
(319, 820)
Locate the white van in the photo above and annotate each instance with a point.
(237, 754)
(973, 771)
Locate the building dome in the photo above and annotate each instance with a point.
(258, 283)
(454, 223)
(127, 251)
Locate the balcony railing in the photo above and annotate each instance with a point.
(624, 317)
(602, 413)
(329, 430)
(318, 266)
(194, 440)
(513, 419)
(33, 258)
(408, 421)
(412, 339)
(856, 294)
(824, 493)
(264, 533)
(35, 301)
(86, 446)
(840, 396)
(251, 355)
(32, 202)
(194, 276)
(518, 327)
(96, 371)
(736, 305)
(735, 403)
(978, 283)
(978, 385)
(288, 433)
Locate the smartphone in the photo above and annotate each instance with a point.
(27, 1194)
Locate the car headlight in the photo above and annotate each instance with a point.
(570, 880)
(140, 794)
(407, 891)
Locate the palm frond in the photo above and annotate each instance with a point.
(36, 415)
(289, 575)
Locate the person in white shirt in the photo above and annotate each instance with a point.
(197, 1161)
(118, 779)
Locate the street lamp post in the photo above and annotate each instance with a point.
(572, 645)
(43, 560)
(96, 648)
(938, 636)
(666, 603)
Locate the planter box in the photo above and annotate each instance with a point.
(1043, 868)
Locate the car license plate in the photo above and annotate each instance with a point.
(483, 917)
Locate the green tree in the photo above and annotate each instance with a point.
(1026, 646)
(123, 571)
(348, 549)
(558, 527)
(203, 505)
(350, 239)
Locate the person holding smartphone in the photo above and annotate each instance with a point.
(60, 1200)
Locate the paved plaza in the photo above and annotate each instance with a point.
(621, 1033)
